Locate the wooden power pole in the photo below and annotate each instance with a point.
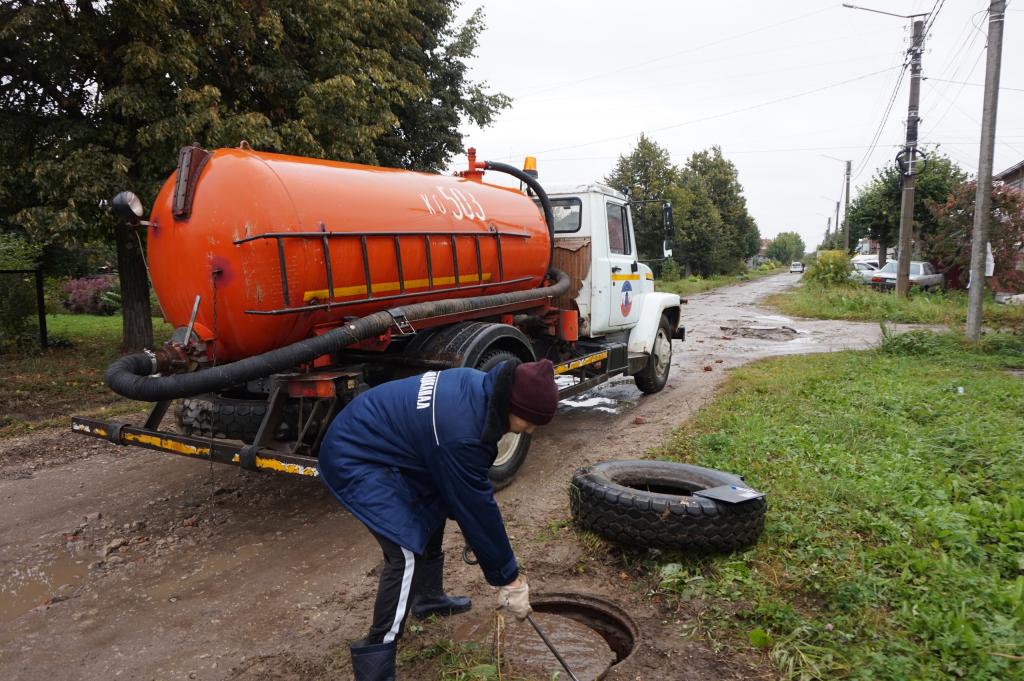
(983, 194)
(910, 168)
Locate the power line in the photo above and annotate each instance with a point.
(636, 65)
(960, 82)
(881, 125)
(721, 115)
(933, 15)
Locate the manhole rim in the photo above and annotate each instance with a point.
(606, 610)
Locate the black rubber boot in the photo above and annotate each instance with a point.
(430, 598)
(373, 662)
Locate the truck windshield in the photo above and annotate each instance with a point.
(567, 213)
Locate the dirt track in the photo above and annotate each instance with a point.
(122, 563)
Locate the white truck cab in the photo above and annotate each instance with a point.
(595, 244)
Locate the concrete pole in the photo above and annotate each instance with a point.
(846, 212)
(907, 203)
(983, 195)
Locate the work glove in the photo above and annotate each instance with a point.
(516, 599)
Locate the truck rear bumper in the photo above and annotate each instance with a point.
(196, 447)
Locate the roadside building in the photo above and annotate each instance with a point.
(1012, 177)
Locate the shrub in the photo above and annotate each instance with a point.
(670, 271)
(832, 268)
(17, 291)
(92, 295)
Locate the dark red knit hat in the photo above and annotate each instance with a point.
(534, 396)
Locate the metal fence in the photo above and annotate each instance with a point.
(12, 282)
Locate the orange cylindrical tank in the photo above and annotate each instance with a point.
(418, 236)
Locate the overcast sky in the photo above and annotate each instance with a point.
(775, 84)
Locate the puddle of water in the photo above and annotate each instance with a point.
(583, 649)
(24, 588)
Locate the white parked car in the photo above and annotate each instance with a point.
(922, 275)
(796, 267)
(862, 272)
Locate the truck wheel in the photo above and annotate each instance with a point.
(653, 377)
(649, 504)
(512, 447)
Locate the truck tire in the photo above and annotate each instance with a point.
(220, 417)
(653, 377)
(512, 447)
(232, 419)
(649, 504)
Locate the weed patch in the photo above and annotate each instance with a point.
(44, 388)
(894, 547)
(858, 302)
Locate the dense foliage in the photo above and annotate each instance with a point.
(17, 291)
(99, 96)
(949, 246)
(714, 233)
(786, 247)
(830, 268)
(875, 211)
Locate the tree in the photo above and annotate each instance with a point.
(697, 243)
(646, 174)
(739, 234)
(949, 245)
(875, 211)
(98, 96)
(786, 247)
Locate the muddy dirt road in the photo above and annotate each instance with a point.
(119, 563)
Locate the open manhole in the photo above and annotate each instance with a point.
(592, 635)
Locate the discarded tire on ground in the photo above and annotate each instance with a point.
(650, 504)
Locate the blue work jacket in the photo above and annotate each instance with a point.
(405, 455)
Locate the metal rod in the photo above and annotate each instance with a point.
(284, 272)
(366, 267)
(430, 264)
(397, 296)
(327, 262)
(455, 259)
(551, 647)
(331, 235)
(398, 262)
(41, 309)
(501, 261)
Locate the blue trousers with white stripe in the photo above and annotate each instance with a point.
(398, 585)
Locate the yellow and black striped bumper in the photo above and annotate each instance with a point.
(195, 447)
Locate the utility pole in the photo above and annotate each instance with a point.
(910, 149)
(983, 194)
(846, 213)
(837, 216)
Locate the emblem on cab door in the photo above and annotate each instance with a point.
(627, 300)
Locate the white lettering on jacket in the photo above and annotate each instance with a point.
(426, 391)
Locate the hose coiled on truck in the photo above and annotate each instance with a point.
(130, 376)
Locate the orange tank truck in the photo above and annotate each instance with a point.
(280, 247)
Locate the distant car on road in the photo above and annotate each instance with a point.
(922, 275)
(862, 272)
(796, 267)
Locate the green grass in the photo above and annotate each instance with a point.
(894, 545)
(862, 303)
(43, 389)
(692, 285)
